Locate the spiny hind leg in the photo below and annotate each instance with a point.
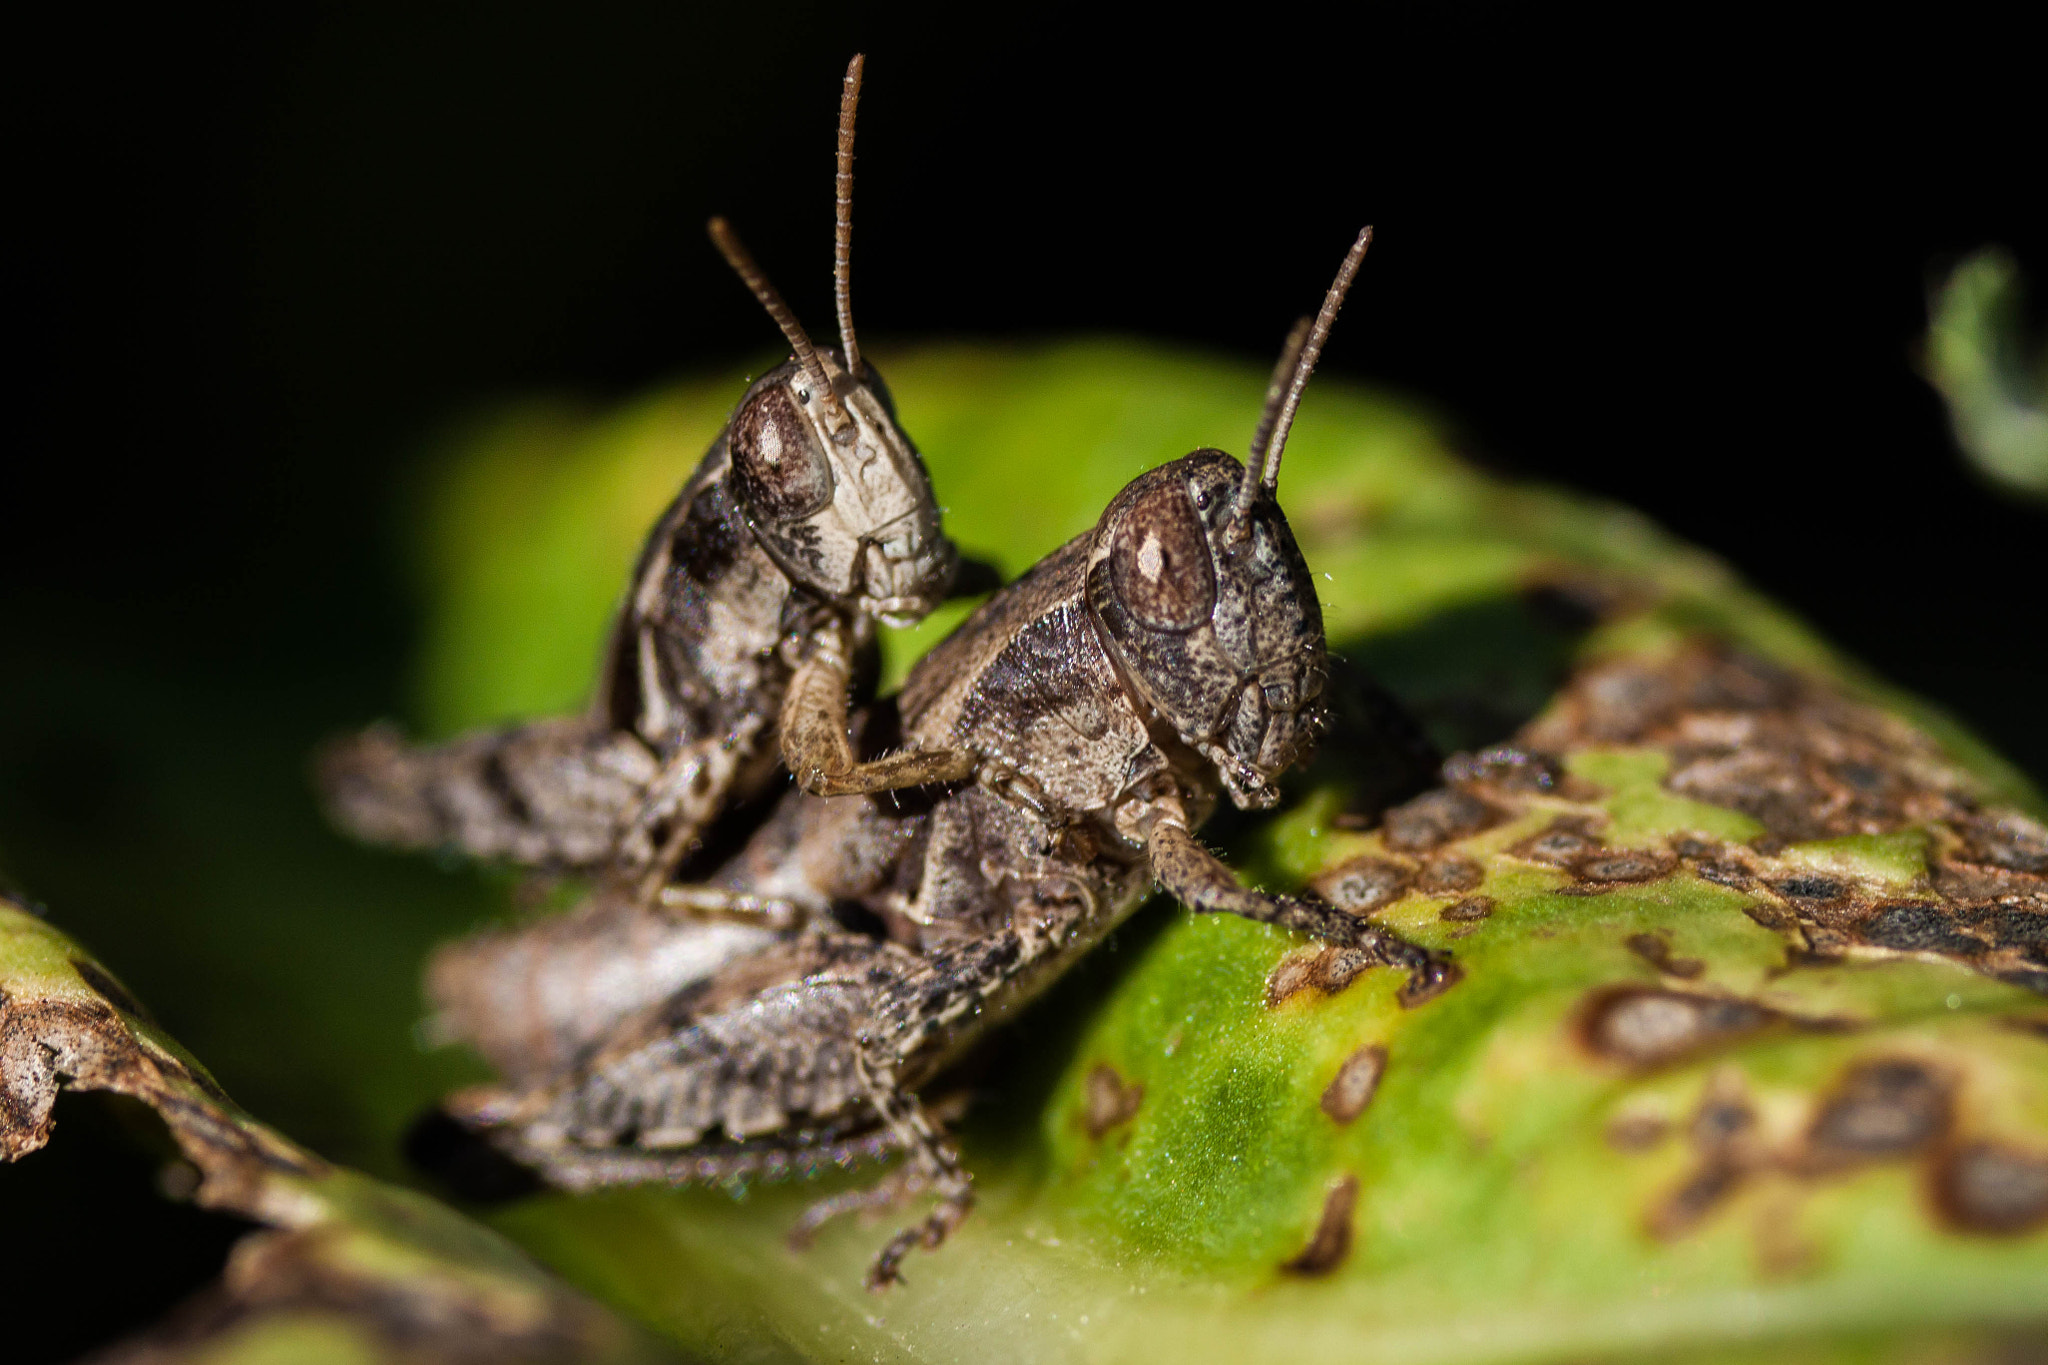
(908, 1180)
(815, 746)
(931, 1160)
(899, 1186)
(552, 793)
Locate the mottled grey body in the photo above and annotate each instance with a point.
(810, 516)
(1100, 705)
(698, 662)
(682, 727)
(1091, 777)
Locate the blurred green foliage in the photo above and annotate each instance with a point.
(1977, 356)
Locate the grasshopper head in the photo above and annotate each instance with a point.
(830, 485)
(1203, 594)
(1213, 617)
(837, 494)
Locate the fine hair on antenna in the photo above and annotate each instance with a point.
(751, 275)
(1276, 391)
(1283, 394)
(842, 225)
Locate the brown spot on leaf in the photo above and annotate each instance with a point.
(1812, 890)
(1355, 1083)
(1988, 1187)
(1655, 949)
(1363, 885)
(1919, 927)
(1966, 881)
(1785, 748)
(1437, 817)
(1336, 968)
(1803, 759)
(1698, 1195)
(1648, 1026)
(1470, 908)
(1449, 876)
(1882, 1110)
(1290, 976)
(1425, 985)
(1782, 1250)
(1327, 970)
(1715, 864)
(1562, 843)
(1331, 1243)
(2003, 934)
(1505, 769)
(1724, 874)
(2008, 926)
(1724, 1123)
(1111, 1102)
(2007, 840)
(1822, 948)
(457, 1296)
(1623, 866)
(1772, 915)
(48, 1040)
(1723, 1130)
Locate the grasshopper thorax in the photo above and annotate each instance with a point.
(1212, 617)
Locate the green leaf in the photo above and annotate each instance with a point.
(355, 1269)
(1551, 1164)
(1494, 1217)
(1997, 399)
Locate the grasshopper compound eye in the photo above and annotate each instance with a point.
(781, 468)
(1159, 565)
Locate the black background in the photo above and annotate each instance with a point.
(1685, 267)
(260, 259)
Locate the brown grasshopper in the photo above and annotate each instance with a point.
(1101, 701)
(810, 516)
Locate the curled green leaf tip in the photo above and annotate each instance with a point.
(1997, 395)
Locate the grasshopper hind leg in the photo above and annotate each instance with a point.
(931, 1162)
(550, 794)
(899, 1186)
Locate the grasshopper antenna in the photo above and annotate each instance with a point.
(742, 264)
(842, 228)
(1262, 469)
(1276, 390)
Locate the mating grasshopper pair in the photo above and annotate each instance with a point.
(1045, 764)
